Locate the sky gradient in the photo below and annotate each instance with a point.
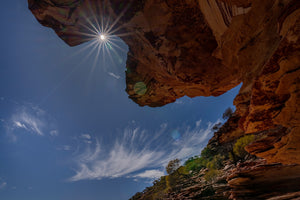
(68, 130)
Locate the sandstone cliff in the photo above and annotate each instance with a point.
(204, 48)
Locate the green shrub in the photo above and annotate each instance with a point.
(195, 164)
(172, 180)
(209, 159)
(216, 162)
(207, 153)
(239, 146)
(156, 191)
(182, 170)
(172, 166)
(211, 175)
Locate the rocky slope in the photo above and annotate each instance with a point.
(253, 179)
(191, 187)
(204, 48)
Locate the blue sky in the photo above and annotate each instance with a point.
(67, 128)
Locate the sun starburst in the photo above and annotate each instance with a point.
(102, 37)
(104, 32)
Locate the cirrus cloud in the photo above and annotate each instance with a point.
(154, 173)
(29, 119)
(3, 184)
(138, 153)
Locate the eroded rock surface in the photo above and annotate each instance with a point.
(259, 180)
(204, 48)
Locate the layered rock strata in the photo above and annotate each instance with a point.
(259, 180)
(253, 179)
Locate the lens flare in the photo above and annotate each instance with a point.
(140, 88)
(102, 37)
(104, 32)
(176, 135)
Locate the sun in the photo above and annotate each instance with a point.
(101, 37)
(104, 34)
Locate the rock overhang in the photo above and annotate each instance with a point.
(204, 48)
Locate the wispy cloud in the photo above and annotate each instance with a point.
(114, 75)
(64, 148)
(86, 136)
(54, 133)
(139, 153)
(31, 119)
(198, 123)
(3, 184)
(179, 101)
(153, 174)
(28, 120)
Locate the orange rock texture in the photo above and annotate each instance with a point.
(204, 48)
(258, 180)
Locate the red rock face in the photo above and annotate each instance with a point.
(274, 106)
(266, 181)
(171, 45)
(204, 48)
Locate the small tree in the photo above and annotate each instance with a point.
(216, 162)
(172, 166)
(228, 113)
(216, 127)
(195, 163)
(239, 146)
(207, 153)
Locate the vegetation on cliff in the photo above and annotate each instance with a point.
(205, 171)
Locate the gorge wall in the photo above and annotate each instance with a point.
(205, 48)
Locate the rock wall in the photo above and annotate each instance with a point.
(204, 48)
(258, 180)
(253, 179)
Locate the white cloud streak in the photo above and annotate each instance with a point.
(86, 136)
(64, 148)
(3, 184)
(114, 75)
(154, 174)
(54, 133)
(140, 153)
(28, 122)
(30, 119)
